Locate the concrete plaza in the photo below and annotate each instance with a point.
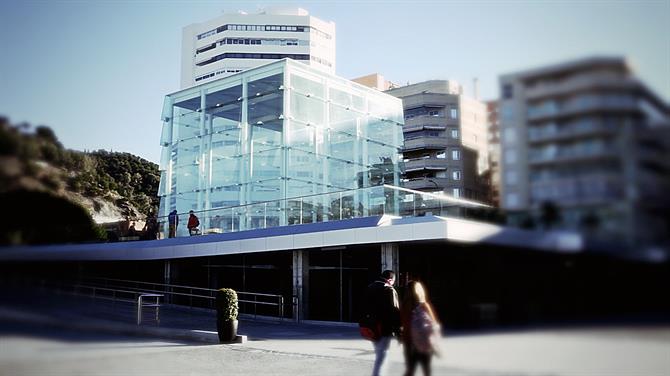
(93, 337)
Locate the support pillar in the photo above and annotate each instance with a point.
(389, 257)
(300, 285)
(167, 279)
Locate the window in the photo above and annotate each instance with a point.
(453, 113)
(454, 133)
(512, 200)
(442, 155)
(456, 175)
(455, 155)
(509, 136)
(507, 91)
(510, 156)
(456, 192)
(510, 178)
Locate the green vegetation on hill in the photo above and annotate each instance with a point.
(34, 160)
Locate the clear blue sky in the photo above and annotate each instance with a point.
(97, 71)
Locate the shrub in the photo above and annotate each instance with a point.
(226, 304)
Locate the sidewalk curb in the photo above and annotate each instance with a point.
(29, 317)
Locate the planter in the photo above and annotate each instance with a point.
(226, 314)
(227, 330)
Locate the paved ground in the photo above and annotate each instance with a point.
(36, 342)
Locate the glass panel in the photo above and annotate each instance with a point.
(343, 119)
(307, 109)
(265, 85)
(312, 87)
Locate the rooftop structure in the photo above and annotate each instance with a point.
(272, 133)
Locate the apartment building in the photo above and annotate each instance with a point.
(445, 147)
(591, 138)
(234, 42)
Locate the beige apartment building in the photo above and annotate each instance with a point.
(445, 148)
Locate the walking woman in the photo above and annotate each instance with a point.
(421, 330)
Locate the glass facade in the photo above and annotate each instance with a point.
(271, 133)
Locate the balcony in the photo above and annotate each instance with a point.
(426, 143)
(569, 131)
(581, 105)
(426, 183)
(426, 164)
(580, 83)
(579, 190)
(572, 155)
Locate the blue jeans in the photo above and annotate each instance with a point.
(381, 348)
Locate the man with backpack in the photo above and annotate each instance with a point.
(381, 319)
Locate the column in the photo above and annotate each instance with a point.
(245, 150)
(389, 257)
(167, 279)
(300, 285)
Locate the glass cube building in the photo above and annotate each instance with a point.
(239, 150)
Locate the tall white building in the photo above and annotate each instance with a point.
(234, 42)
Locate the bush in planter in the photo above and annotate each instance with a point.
(226, 314)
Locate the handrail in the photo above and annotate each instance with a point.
(135, 293)
(140, 306)
(247, 295)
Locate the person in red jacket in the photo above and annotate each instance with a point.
(193, 224)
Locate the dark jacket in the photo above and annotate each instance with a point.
(384, 302)
(173, 218)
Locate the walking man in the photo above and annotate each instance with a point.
(384, 300)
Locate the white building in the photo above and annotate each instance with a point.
(234, 42)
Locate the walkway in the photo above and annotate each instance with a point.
(629, 350)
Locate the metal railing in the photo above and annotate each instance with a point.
(323, 207)
(141, 305)
(113, 294)
(205, 295)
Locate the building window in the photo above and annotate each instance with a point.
(510, 156)
(442, 155)
(454, 133)
(456, 192)
(510, 178)
(512, 199)
(456, 155)
(509, 136)
(453, 113)
(456, 175)
(507, 91)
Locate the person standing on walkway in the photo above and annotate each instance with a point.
(173, 221)
(421, 330)
(386, 311)
(193, 223)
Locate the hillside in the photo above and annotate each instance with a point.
(110, 186)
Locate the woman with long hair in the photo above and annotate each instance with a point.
(421, 330)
